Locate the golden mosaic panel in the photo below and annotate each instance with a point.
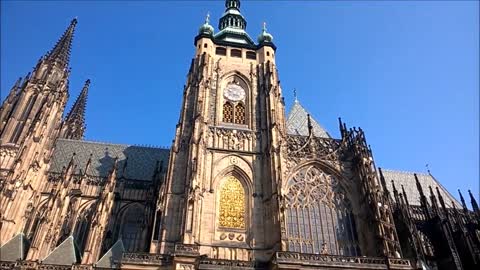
(232, 204)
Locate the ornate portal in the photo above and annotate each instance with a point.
(232, 204)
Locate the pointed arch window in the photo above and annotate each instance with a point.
(234, 106)
(82, 227)
(232, 204)
(240, 114)
(318, 215)
(228, 112)
(132, 229)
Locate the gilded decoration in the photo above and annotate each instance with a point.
(232, 204)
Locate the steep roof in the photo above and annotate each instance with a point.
(139, 161)
(112, 257)
(297, 122)
(65, 254)
(15, 249)
(407, 179)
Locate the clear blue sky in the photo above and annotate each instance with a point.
(406, 72)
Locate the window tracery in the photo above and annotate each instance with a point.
(82, 227)
(318, 215)
(232, 204)
(228, 112)
(234, 109)
(240, 114)
(132, 228)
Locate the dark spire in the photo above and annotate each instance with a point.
(75, 120)
(232, 17)
(405, 196)
(433, 200)
(442, 202)
(463, 201)
(343, 127)
(383, 182)
(61, 51)
(473, 202)
(423, 199)
(419, 187)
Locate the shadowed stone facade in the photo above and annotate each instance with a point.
(243, 186)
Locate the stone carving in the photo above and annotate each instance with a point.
(147, 258)
(300, 148)
(231, 139)
(187, 266)
(8, 151)
(186, 249)
(319, 258)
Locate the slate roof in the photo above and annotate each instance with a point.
(140, 165)
(112, 257)
(408, 181)
(65, 254)
(297, 122)
(15, 249)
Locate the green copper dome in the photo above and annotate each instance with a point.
(264, 36)
(206, 28)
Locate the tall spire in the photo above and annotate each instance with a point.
(75, 120)
(61, 51)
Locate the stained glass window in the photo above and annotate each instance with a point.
(228, 112)
(132, 228)
(240, 114)
(232, 204)
(318, 215)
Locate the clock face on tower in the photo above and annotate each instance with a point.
(234, 92)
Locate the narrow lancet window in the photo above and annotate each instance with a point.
(228, 112)
(240, 114)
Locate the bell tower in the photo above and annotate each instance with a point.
(219, 197)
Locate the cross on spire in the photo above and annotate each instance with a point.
(428, 168)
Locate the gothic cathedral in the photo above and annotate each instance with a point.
(243, 186)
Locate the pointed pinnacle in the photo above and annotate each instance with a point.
(405, 195)
(75, 119)
(419, 187)
(440, 199)
(61, 51)
(473, 202)
(462, 200)
(78, 108)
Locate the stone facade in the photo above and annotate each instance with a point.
(242, 187)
